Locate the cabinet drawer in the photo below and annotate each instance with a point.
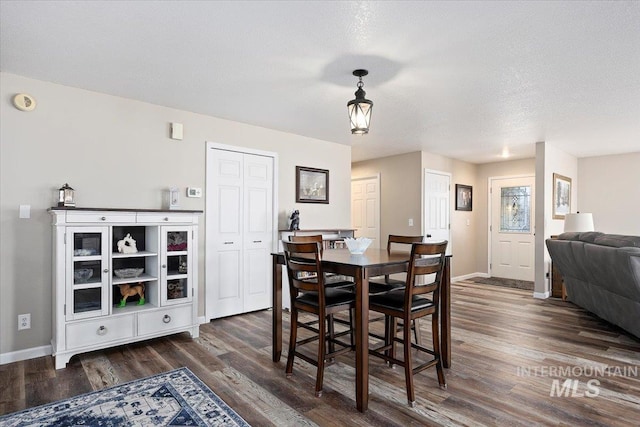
(99, 331)
(165, 218)
(155, 321)
(106, 217)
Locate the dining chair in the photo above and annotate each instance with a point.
(310, 295)
(331, 280)
(413, 302)
(377, 286)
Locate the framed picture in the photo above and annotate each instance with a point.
(312, 185)
(561, 196)
(464, 195)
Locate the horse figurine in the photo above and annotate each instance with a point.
(127, 245)
(130, 291)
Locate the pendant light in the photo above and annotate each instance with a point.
(360, 108)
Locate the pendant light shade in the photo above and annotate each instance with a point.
(360, 108)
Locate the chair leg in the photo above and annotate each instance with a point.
(321, 357)
(393, 328)
(436, 349)
(415, 325)
(408, 365)
(293, 336)
(332, 333)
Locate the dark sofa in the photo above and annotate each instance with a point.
(601, 273)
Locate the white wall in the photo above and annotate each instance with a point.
(610, 189)
(550, 160)
(116, 152)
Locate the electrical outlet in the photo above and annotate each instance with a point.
(24, 321)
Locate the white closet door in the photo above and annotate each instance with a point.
(258, 231)
(239, 232)
(224, 272)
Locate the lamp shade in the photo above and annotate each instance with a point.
(360, 107)
(578, 222)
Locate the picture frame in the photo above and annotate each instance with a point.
(561, 196)
(312, 185)
(464, 197)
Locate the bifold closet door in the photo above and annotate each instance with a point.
(238, 269)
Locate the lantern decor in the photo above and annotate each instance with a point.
(360, 108)
(65, 196)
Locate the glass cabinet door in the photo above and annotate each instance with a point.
(88, 279)
(175, 271)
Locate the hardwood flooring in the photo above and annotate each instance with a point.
(508, 351)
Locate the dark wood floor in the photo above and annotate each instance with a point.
(498, 334)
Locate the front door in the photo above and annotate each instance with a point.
(512, 228)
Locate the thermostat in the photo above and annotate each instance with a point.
(194, 192)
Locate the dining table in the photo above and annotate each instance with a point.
(374, 262)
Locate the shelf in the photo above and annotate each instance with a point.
(87, 285)
(141, 278)
(131, 307)
(176, 276)
(78, 258)
(135, 255)
(176, 253)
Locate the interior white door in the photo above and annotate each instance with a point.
(512, 228)
(437, 207)
(365, 208)
(239, 232)
(258, 231)
(225, 174)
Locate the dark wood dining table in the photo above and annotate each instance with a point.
(374, 262)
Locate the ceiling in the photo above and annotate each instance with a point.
(465, 80)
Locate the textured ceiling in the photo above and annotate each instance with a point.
(462, 79)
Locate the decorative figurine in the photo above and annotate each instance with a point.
(127, 245)
(295, 220)
(130, 291)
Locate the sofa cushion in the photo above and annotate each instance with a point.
(618, 241)
(586, 236)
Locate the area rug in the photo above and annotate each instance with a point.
(175, 398)
(506, 283)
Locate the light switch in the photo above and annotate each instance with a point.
(194, 192)
(468, 222)
(410, 222)
(25, 211)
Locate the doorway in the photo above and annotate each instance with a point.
(365, 208)
(241, 226)
(511, 227)
(437, 207)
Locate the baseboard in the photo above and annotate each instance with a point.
(202, 320)
(468, 276)
(542, 295)
(29, 353)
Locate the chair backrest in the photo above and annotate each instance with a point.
(426, 258)
(404, 240)
(307, 239)
(304, 267)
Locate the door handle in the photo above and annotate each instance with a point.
(428, 235)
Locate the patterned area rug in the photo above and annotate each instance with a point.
(176, 398)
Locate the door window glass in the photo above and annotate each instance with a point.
(515, 209)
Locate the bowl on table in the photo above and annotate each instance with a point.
(357, 246)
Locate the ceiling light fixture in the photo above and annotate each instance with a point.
(360, 108)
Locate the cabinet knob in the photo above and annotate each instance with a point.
(166, 318)
(164, 265)
(106, 270)
(257, 241)
(103, 218)
(166, 218)
(102, 330)
(228, 243)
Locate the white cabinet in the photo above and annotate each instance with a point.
(105, 295)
